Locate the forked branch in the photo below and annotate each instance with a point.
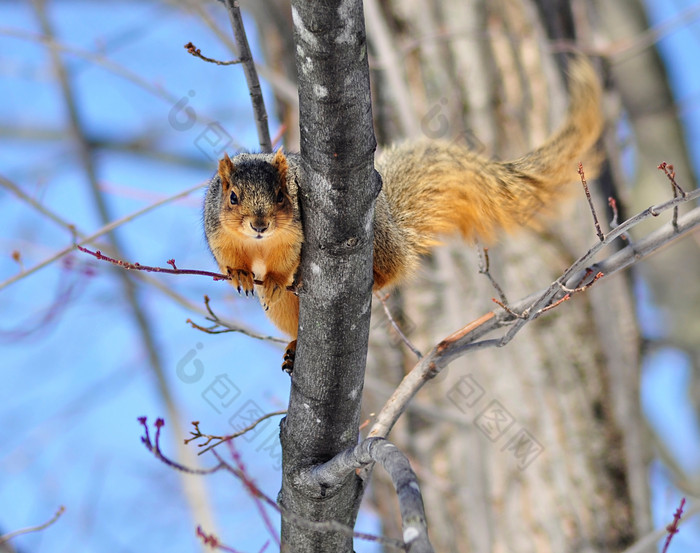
(323, 479)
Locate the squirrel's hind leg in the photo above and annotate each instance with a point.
(288, 359)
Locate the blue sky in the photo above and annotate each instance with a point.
(73, 387)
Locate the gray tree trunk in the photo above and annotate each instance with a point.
(337, 199)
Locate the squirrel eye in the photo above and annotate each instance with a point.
(234, 199)
(280, 197)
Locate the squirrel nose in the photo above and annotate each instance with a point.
(259, 226)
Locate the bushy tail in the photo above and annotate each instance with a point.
(433, 187)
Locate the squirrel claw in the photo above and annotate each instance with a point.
(288, 359)
(272, 291)
(242, 280)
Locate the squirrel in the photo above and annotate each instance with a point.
(253, 226)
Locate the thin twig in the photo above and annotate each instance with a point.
(668, 170)
(197, 53)
(7, 537)
(508, 310)
(251, 487)
(614, 222)
(221, 439)
(485, 269)
(251, 75)
(670, 173)
(179, 299)
(280, 84)
(228, 326)
(323, 526)
(598, 230)
(154, 447)
(207, 304)
(382, 298)
(580, 287)
(138, 267)
(172, 271)
(101, 232)
(581, 264)
(565, 297)
(212, 541)
(672, 528)
(648, 542)
(214, 329)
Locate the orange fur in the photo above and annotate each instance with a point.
(253, 226)
(264, 262)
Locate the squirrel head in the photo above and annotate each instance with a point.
(255, 201)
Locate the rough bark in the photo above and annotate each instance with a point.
(338, 189)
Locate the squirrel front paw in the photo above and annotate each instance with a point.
(271, 292)
(242, 280)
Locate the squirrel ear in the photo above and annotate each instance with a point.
(279, 162)
(226, 170)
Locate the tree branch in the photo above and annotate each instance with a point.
(218, 440)
(94, 236)
(227, 325)
(648, 542)
(531, 307)
(251, 75)
(324, 479)
(197, 53)
(395, 325)
(7, 537)
(150, 269)
(280, 84)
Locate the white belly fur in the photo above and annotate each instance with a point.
(259, 269)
